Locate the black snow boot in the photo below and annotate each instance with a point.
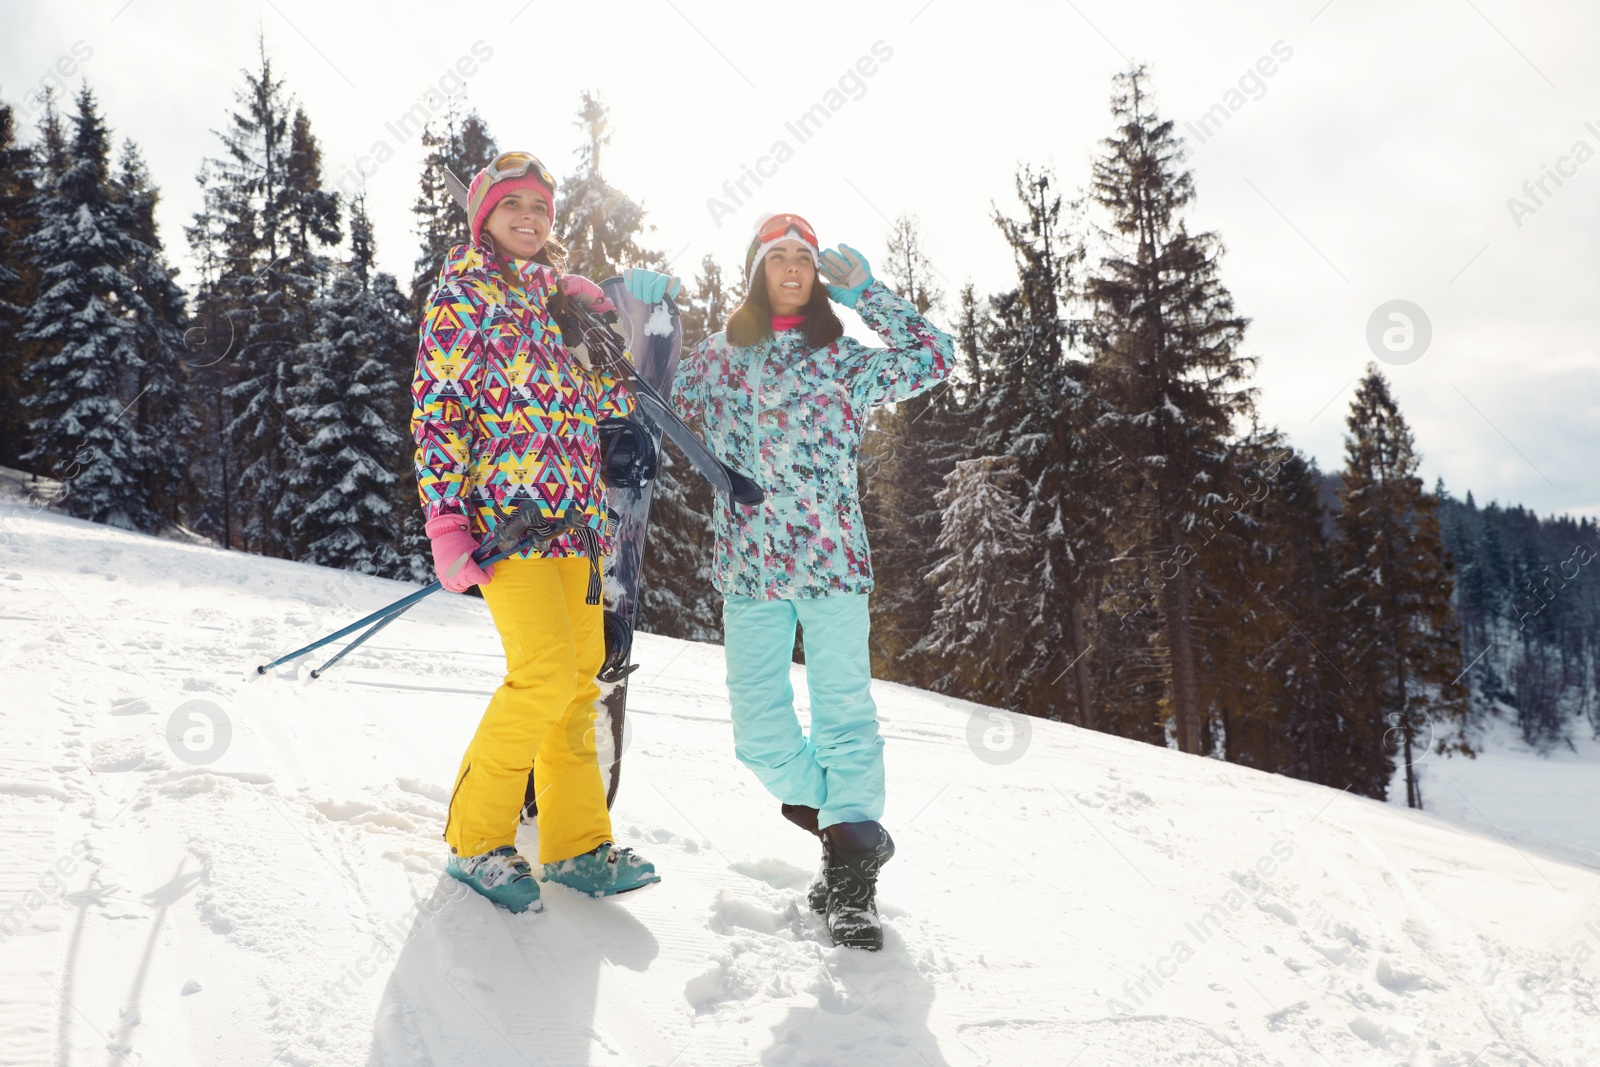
(803, 817)
(806, 819)
(855, 852)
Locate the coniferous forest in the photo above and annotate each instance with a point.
(1088, 522)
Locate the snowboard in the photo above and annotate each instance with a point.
(653, 335)
(606, 348)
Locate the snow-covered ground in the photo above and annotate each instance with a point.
(1548, 801)
(1059, 896)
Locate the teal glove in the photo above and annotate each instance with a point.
(846, 273)
(650, 286)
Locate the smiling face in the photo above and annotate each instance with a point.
(790, 276)
(520, 223)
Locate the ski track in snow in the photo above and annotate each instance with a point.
(1096, 901)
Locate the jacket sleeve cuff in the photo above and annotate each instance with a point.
(442, 524)
(849, 297)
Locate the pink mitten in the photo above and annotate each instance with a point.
(452, 554)
(578, 287)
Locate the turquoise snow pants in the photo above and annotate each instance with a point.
(839, 769)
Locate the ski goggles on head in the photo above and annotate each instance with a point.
(775, 228)
(508, 165)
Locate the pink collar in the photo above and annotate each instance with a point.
(787, 322)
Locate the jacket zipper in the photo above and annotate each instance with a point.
(755, 460)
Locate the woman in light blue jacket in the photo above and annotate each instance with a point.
(785, 396)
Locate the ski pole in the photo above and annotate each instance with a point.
(515, 527)
(400, 610)
(353, 645)
(398, 606)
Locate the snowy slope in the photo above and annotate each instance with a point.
(1093, 901)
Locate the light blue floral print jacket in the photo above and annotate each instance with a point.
(792, 419)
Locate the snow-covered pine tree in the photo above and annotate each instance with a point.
(265, 220)
(600, 225)
(42, 165)
(1479, 595)
(979, 632)
(346, 400)
(1036, 407)
(907, 267)
(311, 217)
(166, 425)
(18, 284)
(1496, 591)
(906, 453)
(972, 319)
(235, 237)
(1242, 641)
(1542, 646)
(677, 597)
(1398, 584)
(464, 146)
(1328, 738)
(222, 243)
(1164, 339)
(1529, 609)
(86, 318)
(1272, 684)
(1461, 531)
(705, 304)
(1483, 594)
(51, 153)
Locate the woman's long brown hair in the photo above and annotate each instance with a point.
(751, 321)
(552, 255)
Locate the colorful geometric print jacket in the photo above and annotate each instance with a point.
(792, 419)
(502, 413)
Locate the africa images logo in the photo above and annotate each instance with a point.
(199, 732)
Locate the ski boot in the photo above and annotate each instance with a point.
(855, 852)
(604, 872)
(806, 819)
(501, 875)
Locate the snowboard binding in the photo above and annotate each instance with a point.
(619, 646)
(627, 454)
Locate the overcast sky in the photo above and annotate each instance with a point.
(1376, 162)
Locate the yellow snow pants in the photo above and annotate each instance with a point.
(541, 717)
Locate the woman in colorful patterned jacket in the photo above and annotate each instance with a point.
(785, 396)
(505, 416)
